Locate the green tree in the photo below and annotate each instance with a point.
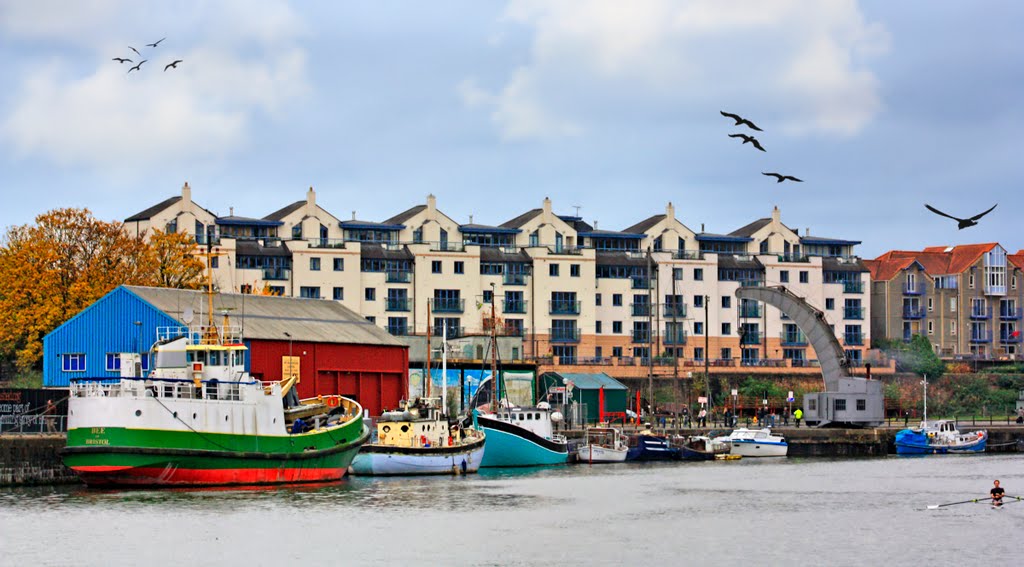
(922, 360)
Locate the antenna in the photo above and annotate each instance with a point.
(577, 207)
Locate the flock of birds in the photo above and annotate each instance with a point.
(138, 67)
(740, 121)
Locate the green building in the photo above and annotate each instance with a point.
(585, 389)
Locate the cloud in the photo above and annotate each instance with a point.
(804, 62)
(242, 62)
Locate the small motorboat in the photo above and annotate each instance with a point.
(702, 448)
(755, 443)
(650, 447)
(603, 445)
(939, 437)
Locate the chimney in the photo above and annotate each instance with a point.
(311, 197)
(776, 215)
(702, 227)
(595, 224)
(547, 207)
(186, 193)
(431, 205)
(807, 231)
(353, 215)
(670, 211)
(470, 219)
(231, 211)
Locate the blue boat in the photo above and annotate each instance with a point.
(648, 447)
(939, 438)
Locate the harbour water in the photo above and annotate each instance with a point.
(755, 511)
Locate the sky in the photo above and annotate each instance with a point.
(608, 106)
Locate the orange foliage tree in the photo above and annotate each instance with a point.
(67, 260)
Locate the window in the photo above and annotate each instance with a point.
(804, 276)
(339, 264)
(840, 404)
(597, 299)
(952, 328)
(113, 362)
(1013, 282)
(371, 319)
(535, 238)
(435, 267)
(72, 362)
(698, 274)
(931, 327)
(698, 302)
(617, 299)
(862, 404)
(598, 352)
(726, 302)
(277, 290)
(214, 263)
(617, 327)
(417, 236)
(784, 276)
(574, 270)
(553, 270)
(677, 274)
(309, 292)
(617, 351)
(698, 353)
(698, 327)
(488, 296)
(970, 281)
(460, 267)
(597, 328)
(830, 303)
(726, 353)
(726, 330)
(931, 307)
(339, 293)
(314, 264)
(952, 304)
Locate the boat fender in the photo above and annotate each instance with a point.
(450, 441)
(981, 434)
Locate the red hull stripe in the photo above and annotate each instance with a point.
(170, 476)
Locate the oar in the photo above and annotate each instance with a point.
(937, 506)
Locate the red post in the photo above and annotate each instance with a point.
(638, 406)
(600, 405)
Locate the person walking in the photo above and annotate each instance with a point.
(797, 416)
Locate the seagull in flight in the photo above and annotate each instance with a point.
(122, 60)
(961, 223)
(135, 50)
(138, 67)
(782, 178)
(173, 65)
(750, 139)
(154, 44)
(740, 120)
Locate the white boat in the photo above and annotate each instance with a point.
(419, 441)
(603, 445)
(756, 443)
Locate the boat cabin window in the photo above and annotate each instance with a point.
(537, 416)
(529, 416)
(214, 358)
(197, 356)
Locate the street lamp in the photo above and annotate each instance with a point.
(291, 368)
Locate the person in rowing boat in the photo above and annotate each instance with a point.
(997, 494)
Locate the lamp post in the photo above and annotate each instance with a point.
(291, 370)
(138, 328)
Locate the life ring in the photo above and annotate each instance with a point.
(333, 401)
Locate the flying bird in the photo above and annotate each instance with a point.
(135, 50)
(961, 223)
(782, 178)
(138, 67)
(740, 120)
(173, 65)
(154, 44)
(750, 139)
(122, 60)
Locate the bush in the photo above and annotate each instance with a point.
(958, 368)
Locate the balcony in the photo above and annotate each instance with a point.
(514, 279)
(641, 309)
(670, 310)
(793, 258)
(750, 338)
(565, 335)
(398, 277)
(448, 305)
(565, 250)
(750, 312)
(447, 247)
(982, 336)
(396, 304)
(981, 314)
(791, 338)
(853, 313)
(203, 239)
(913, 313)
(674, 337)
(563, 307)
(513, 305)
(913, 289)
(751, 283)
(1010, 338)
(1009, 314)
(641, 336)
(508, 330)
(454, 332)
(277, 274)
(643, 283)
(326, 242)
(853, 287)
(398, 330)
(853, 339)
(687, 255)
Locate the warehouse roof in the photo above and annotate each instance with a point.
(590, 381)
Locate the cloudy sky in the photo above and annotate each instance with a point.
(607, 105)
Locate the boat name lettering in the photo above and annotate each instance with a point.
(97, 441)
(98, 430)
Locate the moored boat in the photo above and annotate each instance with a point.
(702, 448)
(603, 445)
(939, 437)
(522, 437)
(418, 440)
(756, 443)
(646, 446)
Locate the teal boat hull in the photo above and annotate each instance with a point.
(507, 447)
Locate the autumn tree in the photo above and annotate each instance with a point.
(174, 262)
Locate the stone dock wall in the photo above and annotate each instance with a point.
(33, 459)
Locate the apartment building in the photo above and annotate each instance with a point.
(965, 299)
(656, 292)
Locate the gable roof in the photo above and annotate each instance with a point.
(281, 213)
(154, 210)
(934, 260)
(400, 218)
(522, 219)
(1016, 259)
(751, 228)
(586, 381)
(646, 224)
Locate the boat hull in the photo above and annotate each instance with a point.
(384, 460)
(752, 448)
(653, 448)
(153, 458)
(512, 446)
(599, 454)
(910, 442)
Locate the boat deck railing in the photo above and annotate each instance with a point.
(167, 388)
(202, 334)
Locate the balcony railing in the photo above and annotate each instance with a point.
(514, 279)
(674, 337)
(750, 312)
(513, 330)
(396, 304)
(641, 336)
(398, 330)
(853, 287)
(563, 307)
(687, 255)
(1013, 337)
(641, 309)
(514, 305)
(447, 247)
(448, 305)
(750, 338)
(853, 312)
(751, 283)
(326, 242)
(981, 314)
(913, 313)
(570, 335)
(793, 258)
(853, 339)
(913, 288)
(277, 274)
(643, 283)
(454, 332)
(399, 277)
(1007, 314)
(204, 238)
(568, 250)
(981, 336)
(670, 310)
(793, 338)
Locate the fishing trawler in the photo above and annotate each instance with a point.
(200, 419)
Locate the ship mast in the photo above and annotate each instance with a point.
(494, 357)
(426, 375)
